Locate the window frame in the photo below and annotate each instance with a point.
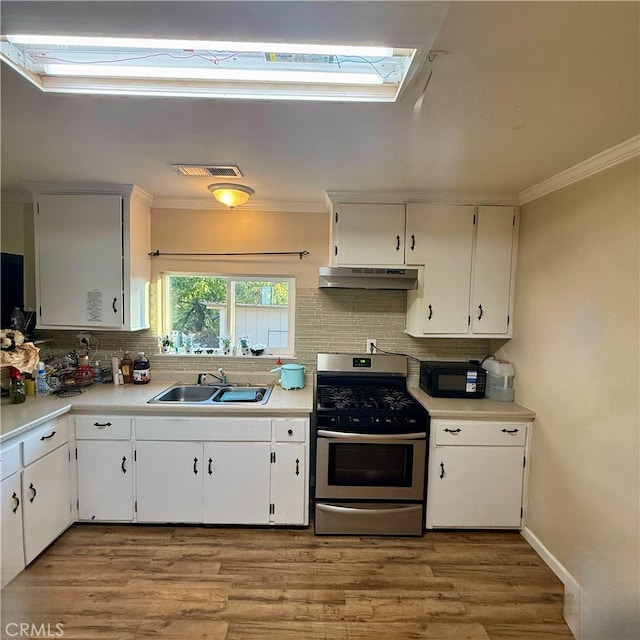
(230, 306)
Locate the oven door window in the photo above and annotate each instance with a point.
(370, 465)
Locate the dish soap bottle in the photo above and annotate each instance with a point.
(127, 368)
(141, 369)
(17, 320)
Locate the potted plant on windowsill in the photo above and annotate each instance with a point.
(167, 344)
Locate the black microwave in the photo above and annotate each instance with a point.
(452, 379)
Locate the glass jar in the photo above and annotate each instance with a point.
(17, 391)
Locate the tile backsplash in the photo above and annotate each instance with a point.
(327, 320)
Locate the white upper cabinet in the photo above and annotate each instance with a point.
(440, 237)
(465, 288)
(92, 258)
(493, 270)
(367, 234)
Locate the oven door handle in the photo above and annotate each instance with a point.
(332, 508)
(375, 436)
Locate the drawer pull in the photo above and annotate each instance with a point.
(430, 313)
(101, 425)
(34, 493)
(15, 497)
(297, 466)
(454, 431)
(512, 431)
(210, 470)
(53, 433)
(195, 466)
(124, 460)
(441, 470)
(480, 312)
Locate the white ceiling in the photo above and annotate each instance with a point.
(527, 90)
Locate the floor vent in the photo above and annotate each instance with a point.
(207, 171)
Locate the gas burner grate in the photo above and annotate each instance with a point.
(380, 398)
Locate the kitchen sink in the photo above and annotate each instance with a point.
(194, 394)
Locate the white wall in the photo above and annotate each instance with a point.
(576, 354)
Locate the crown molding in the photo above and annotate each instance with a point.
(600, 162)
(253, 205)
(435, 197)
(125, 190)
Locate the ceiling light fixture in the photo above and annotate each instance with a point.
(209, 69)
(231, 195)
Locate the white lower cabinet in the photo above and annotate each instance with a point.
(169, 481)
(222, 470)
(11, 540)
(105, 480)
(46, 501)
(476, 474)
(236, 482)
(104, 459)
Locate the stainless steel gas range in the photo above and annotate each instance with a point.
(371, 447)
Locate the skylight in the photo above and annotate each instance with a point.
(208, 69)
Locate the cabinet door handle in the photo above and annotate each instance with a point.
(454, 431)
(210, 470)
(113, 305)
(413, 242)
(101, 425)
(53, 433)
(480, 312)
(124, 460)
(510, 430)
(15, 497)
(34, 493)
(290, 432)
(195, 466)
(430, 313)
(397, 243)
(297, 466)
(441, 470)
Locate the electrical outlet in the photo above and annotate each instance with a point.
(85, 338)
(371, 345)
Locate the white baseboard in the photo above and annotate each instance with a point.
(572, 610)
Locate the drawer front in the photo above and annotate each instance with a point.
(204, 429)
(291, 429)
(471, 432)
(46, 439)
(103, 428)
(10, 461)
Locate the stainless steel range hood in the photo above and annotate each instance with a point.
(368, 278)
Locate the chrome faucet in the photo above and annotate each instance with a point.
(221, 378)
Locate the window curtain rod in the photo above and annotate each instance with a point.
(300, 254)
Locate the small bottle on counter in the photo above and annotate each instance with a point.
(97, 370)
(120, 377)
(17, 392)
(42, 388)
(141, 369)
(115, 367)
(127, 368)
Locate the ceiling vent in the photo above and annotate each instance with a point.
(207, 171)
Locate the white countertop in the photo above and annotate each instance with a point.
(459, 408)
(131, 399)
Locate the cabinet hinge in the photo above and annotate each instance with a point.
(272, 509)
(78, 504)
(336, 217)
(135, 506)
(468, 321)
(513, 224)
(335, 249)
(508, 320)
(76, 453)
(524, 461)
(521, 512)
(474, 218)
(135, 455)
(273, 456)
(38, 208)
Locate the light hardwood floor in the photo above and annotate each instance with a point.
(196, 583)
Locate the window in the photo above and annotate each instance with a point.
(203, 312)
